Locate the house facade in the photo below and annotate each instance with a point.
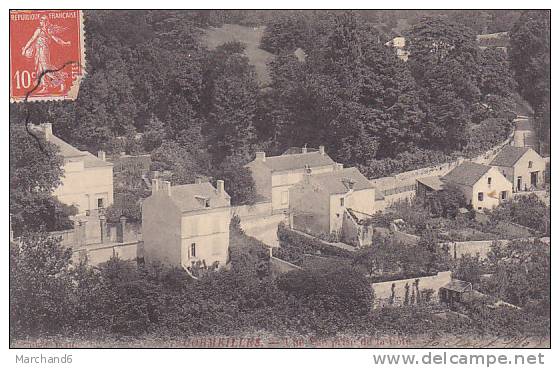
(522, 166)
(186, 225)
(484, 187)
(87, 183)
(274, 176)
(334, 203)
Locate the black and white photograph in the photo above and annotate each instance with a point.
(279, 178)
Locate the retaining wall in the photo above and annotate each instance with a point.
(382, 290)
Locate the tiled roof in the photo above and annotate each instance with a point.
(69, 152)
(467, 173)
(297, 161)
(336, 182)
(433, 182)
(458, 285)
(508, 156)
(189, 197)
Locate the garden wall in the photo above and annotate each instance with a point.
(382, 290)
(403, 185)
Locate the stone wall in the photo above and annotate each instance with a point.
(403, 185)
(382, 290)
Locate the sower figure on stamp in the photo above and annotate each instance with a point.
(38, 47)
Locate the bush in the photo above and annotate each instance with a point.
(293, 246)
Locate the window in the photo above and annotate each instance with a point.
(342, 202)
(503, 195)
(489, 181)
(193, 250)
(285, 197)
(480, 196)
(530, 164)
(99, 202)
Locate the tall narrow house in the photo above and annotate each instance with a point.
(87, 183)
(186, 225)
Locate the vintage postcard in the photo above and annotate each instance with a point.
(280, 179)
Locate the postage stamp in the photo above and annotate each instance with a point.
(47, 56)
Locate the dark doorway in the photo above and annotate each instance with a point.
(534, 178)
(519, 183)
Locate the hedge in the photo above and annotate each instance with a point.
(294, 245)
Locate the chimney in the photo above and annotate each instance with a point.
(101, 155)
(304, 149)
(47, 129)
(155, 185)
(322, 150)
(261, 156)
(220, 187)
(166, 187)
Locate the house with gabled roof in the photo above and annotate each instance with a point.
(484, 187)
(87, 182)
(275, 175)
(186, 225)
(335, 203)
(522, 166)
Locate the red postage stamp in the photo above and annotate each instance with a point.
(47, 57)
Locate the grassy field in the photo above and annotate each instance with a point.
(251, 37)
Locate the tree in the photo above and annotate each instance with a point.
(443, 61)
(341, 290)
(239, 183)
(468, 268)
(232, 91)
(40, 286)
(445, 202)
(521, 273)
(527, 210)
(35, 171)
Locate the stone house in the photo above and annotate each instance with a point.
(336, 203)
(186, 225)
(484, 187)
(522, 166)
(274, 176)
(87, 183)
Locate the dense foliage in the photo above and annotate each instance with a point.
(35, 171)
(526, 210)
(530, 60)
(49, 295)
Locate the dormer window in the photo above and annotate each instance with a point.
(530, 164)
(204, 201)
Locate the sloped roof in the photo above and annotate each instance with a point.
(467, 173)
(458, 285)
(433, 182)
(336, 182)
(508, 156)
(70, 152)
(185, 196)
(297, 161)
